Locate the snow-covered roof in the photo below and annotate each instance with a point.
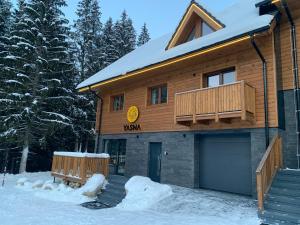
(239, 19)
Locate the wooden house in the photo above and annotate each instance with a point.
(200, 106)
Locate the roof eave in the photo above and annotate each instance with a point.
(177, 58)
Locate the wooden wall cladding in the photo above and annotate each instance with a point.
(189, 76)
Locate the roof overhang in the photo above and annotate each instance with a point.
(199, 52)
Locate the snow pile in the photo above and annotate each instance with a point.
(142, 193)
(60, 192)
(21, 181)
(93, 186)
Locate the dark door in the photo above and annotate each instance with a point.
(117, 151)
(155, 161)
(225, 163)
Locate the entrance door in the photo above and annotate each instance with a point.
(117, 151)
(225, 163)
(155, 161)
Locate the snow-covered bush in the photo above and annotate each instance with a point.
(143, 193)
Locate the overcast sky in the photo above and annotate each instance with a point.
(161, 16)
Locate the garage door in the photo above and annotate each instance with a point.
(225, 163)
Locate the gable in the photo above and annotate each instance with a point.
(192, 22)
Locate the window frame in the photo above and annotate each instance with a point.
(219, 73)
(159, 87)
(112, 101)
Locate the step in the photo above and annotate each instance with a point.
(290, 172)
(282, 200)
(117, 179)
(109, 200)
(115, 186)
(286, 185)
(283, 207)
(269, 221)
(279, 216)
(285, 192)
(288, 178)
(116, 192)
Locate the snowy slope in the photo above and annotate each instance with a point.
(19, 206)
(241, 18)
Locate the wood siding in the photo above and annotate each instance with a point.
(187, 76)
(285, 70)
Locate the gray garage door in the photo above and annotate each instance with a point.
(225, 163)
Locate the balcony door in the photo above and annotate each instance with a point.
(216, 79)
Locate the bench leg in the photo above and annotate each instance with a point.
(53, 179)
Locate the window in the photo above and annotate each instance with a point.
(206, 29)
(192, 35)
(221, 78)
(117, 103)
(158, 95)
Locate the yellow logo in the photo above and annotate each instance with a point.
(132, 114)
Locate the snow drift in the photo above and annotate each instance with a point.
(142, 193)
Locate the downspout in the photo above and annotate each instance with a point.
(97, 144)
(295, 71)
(266, 107)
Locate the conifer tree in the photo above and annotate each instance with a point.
(144, 36)
(110, 53)
(125, 35)
(87, 37)
(38, 68)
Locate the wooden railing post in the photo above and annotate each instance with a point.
(243, 100)
(217, 90)
(194, 107)
(260, 194)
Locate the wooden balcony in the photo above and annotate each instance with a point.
(218, 104)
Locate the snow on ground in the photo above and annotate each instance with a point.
(22, 205)
(142, 193)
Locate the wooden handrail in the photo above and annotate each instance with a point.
(267, 169)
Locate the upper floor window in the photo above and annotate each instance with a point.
(158, 95)
(200, 29)
(117, 103)
(206, 29)
(220, 78)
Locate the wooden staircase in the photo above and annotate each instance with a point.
(113, 194)
(282, 202)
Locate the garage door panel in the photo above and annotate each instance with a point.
(225, 163)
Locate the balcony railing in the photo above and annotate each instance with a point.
(236, 100)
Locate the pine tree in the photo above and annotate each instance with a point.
(5, 17)
(38, 68)
(88, 40)
(125, 35)
(87, 37)
(110, 53)
(144, 36)
(5, 25)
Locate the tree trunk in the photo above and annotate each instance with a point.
(86, 145)
(76, 145)
(24, 158)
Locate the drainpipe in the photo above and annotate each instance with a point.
(266, 107)
(295, 70)
(97, 144)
